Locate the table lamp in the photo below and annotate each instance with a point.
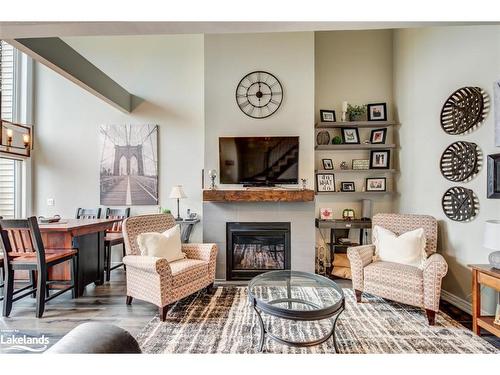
(491, 240)
(177, 193)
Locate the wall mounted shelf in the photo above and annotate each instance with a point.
(361, 146)
(355, 193)
(371, 171)
(258, 195)
(355, 124)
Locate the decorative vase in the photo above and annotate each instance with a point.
(494, 259)
(354, 117)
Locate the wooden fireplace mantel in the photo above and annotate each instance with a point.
(258, 195)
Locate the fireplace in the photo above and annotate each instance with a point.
(254, 248)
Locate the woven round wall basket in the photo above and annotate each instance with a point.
(464, 110)
(460, 204)
(461, 161)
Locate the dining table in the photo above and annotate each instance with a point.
(84, 235)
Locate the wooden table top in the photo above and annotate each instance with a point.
(487, 269)
(67, 225)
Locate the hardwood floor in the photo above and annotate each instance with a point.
(106, 303)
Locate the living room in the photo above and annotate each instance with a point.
(282, 155)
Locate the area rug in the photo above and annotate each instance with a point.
(224, 322)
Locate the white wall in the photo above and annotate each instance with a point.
(290, 57)
(429, 65)
(352, 66)
(167, 73)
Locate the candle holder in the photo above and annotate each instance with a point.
(212, 173)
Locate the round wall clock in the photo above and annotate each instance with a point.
(259, 94)
(461, 161)
(460, 204)
(464, 110)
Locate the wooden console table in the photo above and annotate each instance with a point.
(483, 274)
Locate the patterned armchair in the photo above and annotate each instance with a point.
(398, 282)
(156, 280)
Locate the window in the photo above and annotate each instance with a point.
(11, 171)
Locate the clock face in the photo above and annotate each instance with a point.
(259, 94)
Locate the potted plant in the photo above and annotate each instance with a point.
(355, 112)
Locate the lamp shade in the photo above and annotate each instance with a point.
(177, 192)
(491, 239)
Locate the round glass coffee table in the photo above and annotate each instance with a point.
(299, 296)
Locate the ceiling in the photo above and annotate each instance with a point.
(10, 30)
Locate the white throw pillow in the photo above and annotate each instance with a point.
(409, 248)
(162, 245)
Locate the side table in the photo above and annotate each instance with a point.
(483, 274)
(186, 228)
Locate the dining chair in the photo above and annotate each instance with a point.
(23, 249)
(88, 213)
(114, 237)
(1, 277)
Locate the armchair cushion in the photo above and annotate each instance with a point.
(162, 245)
(185, 271)
(408, 248)
(395, 281)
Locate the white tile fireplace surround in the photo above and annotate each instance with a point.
(300, 215)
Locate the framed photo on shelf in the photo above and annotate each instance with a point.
(327, 115)
(327, 164)
(378, 136)
(326, 214)
(350, 135)
(376, 184)
(360, 164)
(325, 182)
(347, 186)
(377, 112)
(497, 316)
(380, 159)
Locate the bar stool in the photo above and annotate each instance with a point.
(114, 237)
(23, 249)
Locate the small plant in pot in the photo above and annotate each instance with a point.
(355, 112)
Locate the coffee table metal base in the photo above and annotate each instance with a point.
(300, 344)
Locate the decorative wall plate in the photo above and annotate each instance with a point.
(323, 138)
(259, 94)
(464, 110)
(460, 204)
(461, 161)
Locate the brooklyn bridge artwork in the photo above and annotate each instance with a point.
(129, 165)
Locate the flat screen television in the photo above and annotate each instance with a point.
(259, 161)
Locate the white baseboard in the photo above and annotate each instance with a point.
(459, 302)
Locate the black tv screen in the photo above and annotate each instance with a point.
(259, 160)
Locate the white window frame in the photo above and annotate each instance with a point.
(22, 112)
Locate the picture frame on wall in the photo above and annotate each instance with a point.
(496, 106)
(327, 115)
(375, 184)
(326, 213)
(378, 136)
(493, 175)
(347, 187)
(327, 164)
(377, 112)
(380, 159)
(325, 182)
(350, 136)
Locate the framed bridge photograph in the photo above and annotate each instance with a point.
(128, 165)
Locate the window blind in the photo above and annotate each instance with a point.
(7, 166)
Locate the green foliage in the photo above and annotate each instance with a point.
(355, 111)
(337, 140)
(165, 210)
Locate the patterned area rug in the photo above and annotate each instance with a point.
(224, 322)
